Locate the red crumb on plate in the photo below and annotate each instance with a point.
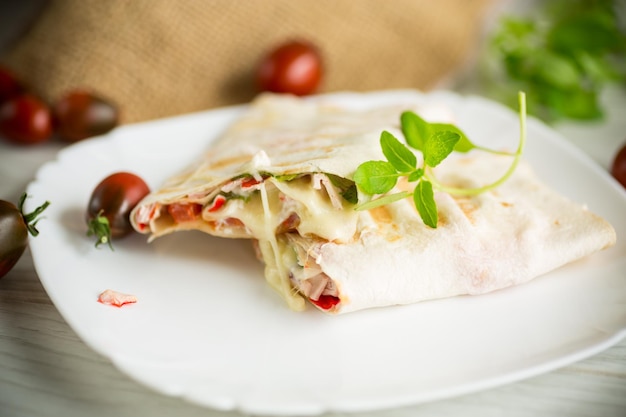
(116, 298)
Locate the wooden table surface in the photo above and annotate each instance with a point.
(46, 370)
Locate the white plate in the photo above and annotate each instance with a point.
(207, 328)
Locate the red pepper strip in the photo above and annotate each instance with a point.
(248, 182)
(326, 302)
(217, 203)
(184, 212)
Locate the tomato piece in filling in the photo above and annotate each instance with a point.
(289, 224)
(249, 182)
(184, 212)
(218, 203)
(326, 302)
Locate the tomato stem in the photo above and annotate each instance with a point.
(99, 227)
(31, 219)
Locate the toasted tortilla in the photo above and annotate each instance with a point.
(282, 176)
(282, 137)
(484, 243)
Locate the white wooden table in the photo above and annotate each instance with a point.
(46, 370)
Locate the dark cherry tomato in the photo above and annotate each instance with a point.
(294, 67)
(10, 85)
(110, 204)
(80, 114)
(14, 229)
(618, 170)
(25, 120)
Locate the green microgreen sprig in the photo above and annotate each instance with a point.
(436, 141)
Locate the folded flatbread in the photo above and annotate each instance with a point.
(282, 176)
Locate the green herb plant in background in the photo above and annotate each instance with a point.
(561, 58)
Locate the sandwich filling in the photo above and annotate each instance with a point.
(288, 217)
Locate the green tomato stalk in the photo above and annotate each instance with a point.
(99, 226)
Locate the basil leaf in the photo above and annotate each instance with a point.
(597, 69)
(596, 32)
(339, 182)
(577, 48)
(557, 70)
(424, 199)
(583, 105)
(415, 129)
(396, 153)
(463, 145)
(351, 194)
(347, 188)
(415, 175)
(376, 177)
(439, 146)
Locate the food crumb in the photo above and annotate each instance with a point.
(115, 298)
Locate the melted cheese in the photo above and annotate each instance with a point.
(259, 218)
(264, 211)
(317, 214)
(275, 271)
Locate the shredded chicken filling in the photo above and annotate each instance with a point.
(306, 275)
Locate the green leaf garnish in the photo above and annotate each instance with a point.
(351, 195)
(397, 153)
(415, 175)
(436, 141)
(439, 146)
(415, 129)
(347, 188)
(424, 199)
(464, 144)
(376, 177)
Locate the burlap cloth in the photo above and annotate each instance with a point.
(157, 58)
